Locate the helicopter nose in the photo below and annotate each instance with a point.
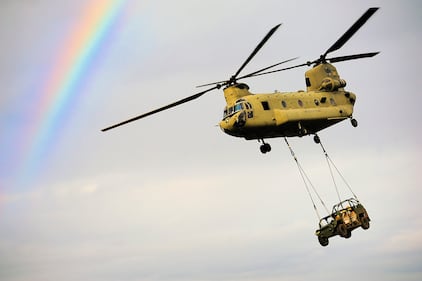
(231, 124)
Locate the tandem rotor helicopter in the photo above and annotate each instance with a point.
(288, 114)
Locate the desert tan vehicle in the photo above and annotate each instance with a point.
(345, 217)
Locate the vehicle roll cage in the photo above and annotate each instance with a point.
(345, 204)
(348, 203)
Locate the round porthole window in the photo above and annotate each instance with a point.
(300, 103)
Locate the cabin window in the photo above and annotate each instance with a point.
(332, 101)
(316, 102)
(323, 99)
(283, 103)
(265, 105)
(300, 102)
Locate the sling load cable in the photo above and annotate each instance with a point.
(304, 178)
(331, 171)
(329, 160)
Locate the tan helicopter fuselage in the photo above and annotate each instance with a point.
(288, 114)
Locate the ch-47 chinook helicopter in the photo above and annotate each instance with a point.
(289, 114)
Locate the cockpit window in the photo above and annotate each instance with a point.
(238, 107)
(233, 109)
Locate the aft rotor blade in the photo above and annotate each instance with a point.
(260, 45)
(255, 73)
(352, 57)
(332, 60)
(214, 83)
(190, 98)
(351, 31)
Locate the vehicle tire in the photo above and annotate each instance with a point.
(364, 222)
(323, 241)
(349, 234)
(342, 230)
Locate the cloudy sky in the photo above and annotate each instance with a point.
(171, 197)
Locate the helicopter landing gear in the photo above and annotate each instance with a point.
(354, 122)
(316, 139)
(302, 130)
(265, 147)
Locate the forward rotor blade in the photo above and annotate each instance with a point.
(190, 98)
(281, 69)
(255, 73)
(266, 68)
(352, 57)
(260, 45)
(257, 48)
(351, 31)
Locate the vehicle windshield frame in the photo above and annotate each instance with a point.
(326, 221)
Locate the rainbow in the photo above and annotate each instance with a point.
(68, 74)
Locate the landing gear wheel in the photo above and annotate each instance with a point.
(266, 147)
(354, 122)
(302, 130)
(316, 139)
(262, 148)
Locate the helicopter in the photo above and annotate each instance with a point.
(284, 114)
